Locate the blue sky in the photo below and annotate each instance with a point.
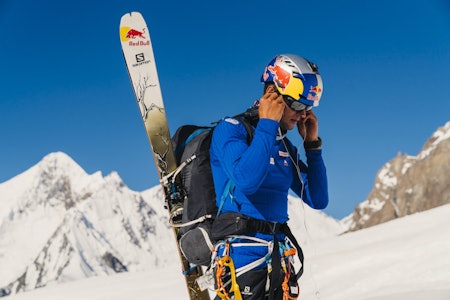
(64, 85)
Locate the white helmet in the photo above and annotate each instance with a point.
(296, 79)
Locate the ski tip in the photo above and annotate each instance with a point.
(132, 14)
(131, 17)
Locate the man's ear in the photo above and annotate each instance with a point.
(270, 88)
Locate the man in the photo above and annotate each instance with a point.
(257, 176)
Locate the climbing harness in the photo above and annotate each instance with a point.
(225, 266)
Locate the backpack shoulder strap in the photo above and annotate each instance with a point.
(229, 187)
(249, 128)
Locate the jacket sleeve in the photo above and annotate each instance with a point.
(247, 165)
(313, 187)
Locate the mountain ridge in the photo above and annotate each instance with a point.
(60, 223)
(408, 184)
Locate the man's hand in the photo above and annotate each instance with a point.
(308, 127)
(271, 106)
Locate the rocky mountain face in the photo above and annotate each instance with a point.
(409, 184)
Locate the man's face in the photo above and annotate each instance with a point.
(290, 118)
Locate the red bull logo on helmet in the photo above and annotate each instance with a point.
(128, 34)
(287, 83)
(280, 75)
(277, 72)
(314, 93)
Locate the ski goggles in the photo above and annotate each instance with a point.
(295, 104)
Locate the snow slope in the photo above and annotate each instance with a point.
(408, 258)
(59, 224)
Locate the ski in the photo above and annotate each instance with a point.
(139, 58)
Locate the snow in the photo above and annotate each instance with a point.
(58, 224)
(135, 286)
(58, 217)
(401, 259)
(408, 258)
(440, 135)
(375, 205)
(408, 163)
(386, 177)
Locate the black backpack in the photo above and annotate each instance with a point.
(191, 147)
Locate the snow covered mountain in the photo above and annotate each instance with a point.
(407, 258)
(409, 184)
(60, 224)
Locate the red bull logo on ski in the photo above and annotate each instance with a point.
(133, 37)
(132, 34)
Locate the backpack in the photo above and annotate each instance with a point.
(197, 235)
(191, 147)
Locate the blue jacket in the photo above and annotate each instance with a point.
(263, 174)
